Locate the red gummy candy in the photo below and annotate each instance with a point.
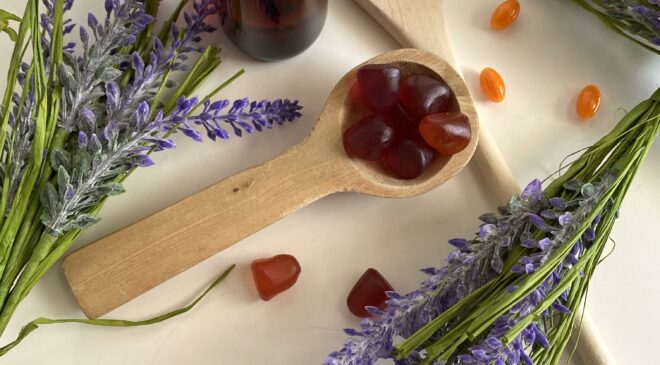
(447, 133)
(369, 290)
(404, 124)
(274, 275)
(379, 85)
(409, 159)
(368, 138)
(422, 95)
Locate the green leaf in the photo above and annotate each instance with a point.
(167, 26)
(82, 221)
(63, 180)
(573, 185)
(30, 327)
(49, 199)
(67, 78)
(108, 74)
(111, 188)
(12, 74)
(587, 190)
(5, 18)
(82, 161)
(60, 158)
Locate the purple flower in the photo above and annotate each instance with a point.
(98, 64)
(538, 222)
(82, 140)
(487, 230)
(565, 218)
(242, 116)
(460, 243)
(544, 244)
(533, 192)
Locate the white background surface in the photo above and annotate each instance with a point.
(553, 50)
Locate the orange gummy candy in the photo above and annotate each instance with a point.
(505, 14)
(492, 85)
(588, 102)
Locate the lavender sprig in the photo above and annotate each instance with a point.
(642, 18)
(22, 122)
(471, 266)
(493, 350)
(94, 165)
(83, 77)
(21, 118)
(242, 116)
(148, 76)
(89, 174)
(46, 21)
(116, 136)
(468, 268)
(638, 20)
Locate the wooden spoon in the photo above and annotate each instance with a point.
(127, 263)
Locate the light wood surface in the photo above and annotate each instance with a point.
(125, 264)
(421, 24)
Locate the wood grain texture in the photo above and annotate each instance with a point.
(421, 24)
(127, 263)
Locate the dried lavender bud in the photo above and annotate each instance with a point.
(46, 22)
(83, 76)
(22, 122)
(148, 76)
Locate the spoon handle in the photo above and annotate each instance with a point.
(421, 24)
(127, 263)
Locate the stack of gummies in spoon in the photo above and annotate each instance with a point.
(412, 120)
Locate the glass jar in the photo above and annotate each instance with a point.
(272, 30)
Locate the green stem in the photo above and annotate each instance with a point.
(12, 75)
(17, 217)
(11, 262)
(404, 349)
(30, 327)
(22, 257)
(41, 250)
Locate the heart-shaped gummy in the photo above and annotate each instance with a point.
(274, 275)
(369, 290)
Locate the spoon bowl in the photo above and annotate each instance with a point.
(340, 113)
(127, 263)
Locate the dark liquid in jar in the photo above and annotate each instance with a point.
(272, 30)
